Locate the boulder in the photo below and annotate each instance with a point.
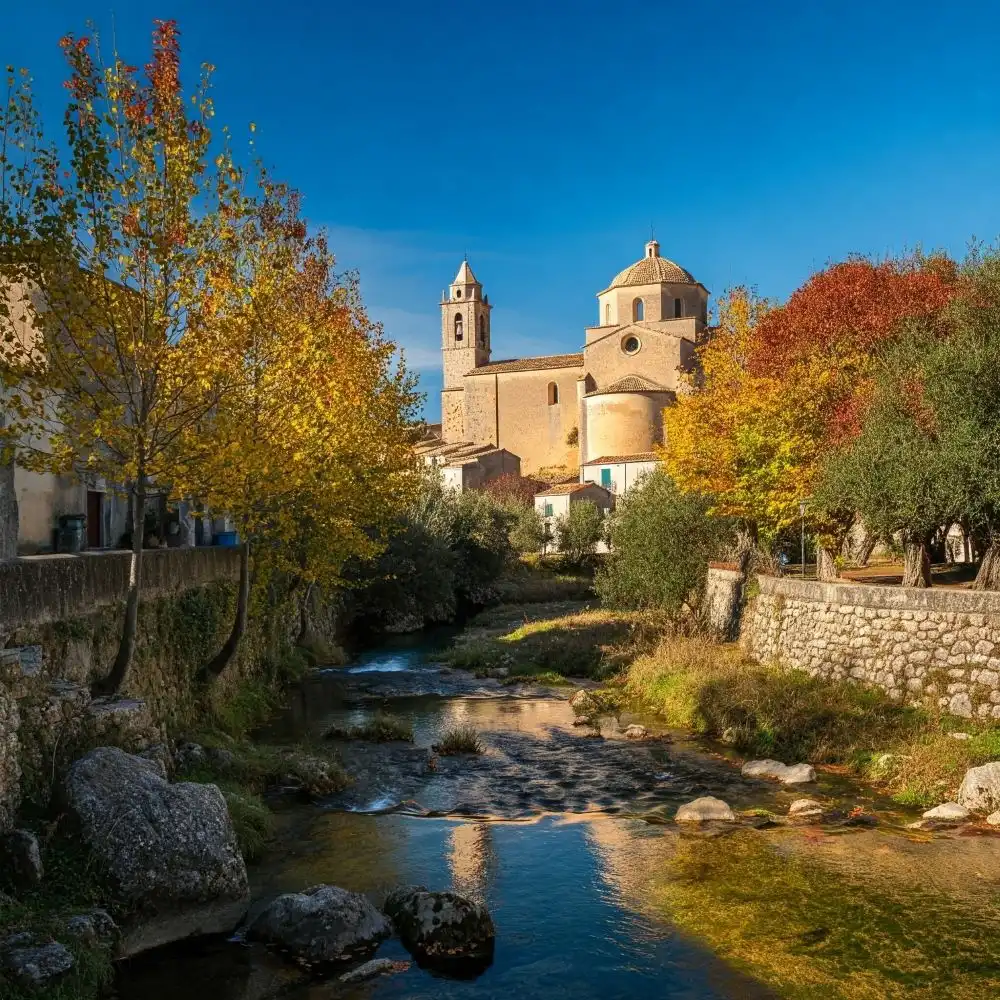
(802, 808)
(20, 860)
(980, 788)
(169, 850)
(583, 702)
(36, 966)
(994, 818)
(704, 810)
(442, 928)
(95, 928)
(797, 774)
(321, 926)
(376, 967)
(636, 732)
(951, 811)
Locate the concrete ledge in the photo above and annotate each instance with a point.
(972, 602)
(41, 589)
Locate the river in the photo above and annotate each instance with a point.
(564, 833)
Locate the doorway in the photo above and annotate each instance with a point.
(94, 505)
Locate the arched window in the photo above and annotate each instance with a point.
(678, 308)
(482, 331)
(458, 326)
(553, 394)
(638, 310)
(607, 314)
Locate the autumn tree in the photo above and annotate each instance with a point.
(105, 270)
(308, 450)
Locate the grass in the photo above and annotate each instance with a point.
(252, 820)
(380, 728)
(766, 711)
(540, 579)
(459, 739)
(72, 885)
(555, 640)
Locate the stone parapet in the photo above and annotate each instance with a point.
(921, 646)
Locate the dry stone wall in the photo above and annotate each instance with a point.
(938, 646)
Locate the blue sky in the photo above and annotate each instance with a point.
(761, 140)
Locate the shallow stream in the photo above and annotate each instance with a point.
(563, 832)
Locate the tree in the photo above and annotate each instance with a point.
(579, 530)
(528, 533)
(661, 542)
(783, 386)
(309, 448)
(105, 274)
(513, 488)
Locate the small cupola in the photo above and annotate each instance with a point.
(652, 249)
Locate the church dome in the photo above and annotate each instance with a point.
(651, 270)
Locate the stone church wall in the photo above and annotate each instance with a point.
(938, 646)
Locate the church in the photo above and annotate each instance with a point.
(600, 408)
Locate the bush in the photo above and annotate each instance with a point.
(460, 739)
(528, 532)
(381, 728)
(661, 542)
(579, 531)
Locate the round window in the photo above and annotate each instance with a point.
(631, 345)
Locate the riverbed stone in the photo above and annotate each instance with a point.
(980, 788)
(583, 702)
(951, 811)
(994, 818)
(636, 732)
(803, 808)
(169, 850)
(322, 925)
(704, 810)
(93, 928)
(376, 967)
(797, 774)
(20, 861)
(36, 966)
(441, 928)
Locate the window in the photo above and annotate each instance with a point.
(548, 510)
(458, 327)
(553, 394)
(638, 310)
(631, 345)
(607, 314)
(458, 293)
(678, 308)
(606, 478)
(482, 331)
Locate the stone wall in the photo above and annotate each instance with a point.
(53, 588)
(937, 646)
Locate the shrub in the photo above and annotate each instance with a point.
(661, 542)
(459, 739)
(252, 820)
(579, 531)
(381, 728)
(528, 532)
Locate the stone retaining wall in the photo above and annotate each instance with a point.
(919, 645)
(41, 589)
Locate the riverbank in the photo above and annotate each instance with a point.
(918, 756)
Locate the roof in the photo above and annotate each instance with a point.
(651, 269)
(561, 489)
(465, 275)
(529, 364)
(630, 383)
(639, 456)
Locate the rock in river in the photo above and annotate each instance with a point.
(584, 703)
(441, 928)
(951, 811)
(805, 808)
(705, 809)
(980, 788)
(376, 967)
(323, 925)
(798, 774)
(20, 860)
(636, 732)
(169, 849)
(33, 965)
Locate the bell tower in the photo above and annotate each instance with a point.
(465, 344)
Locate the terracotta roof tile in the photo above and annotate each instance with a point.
(630, 383)
(529, 364)
(561, 489)
(640, 456)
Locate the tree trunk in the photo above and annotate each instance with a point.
(112, 684)
(866, 548)
(916, 562)
(304, 615)
(826, 568)
(225, 655)
(8, 511)
(988, 577)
